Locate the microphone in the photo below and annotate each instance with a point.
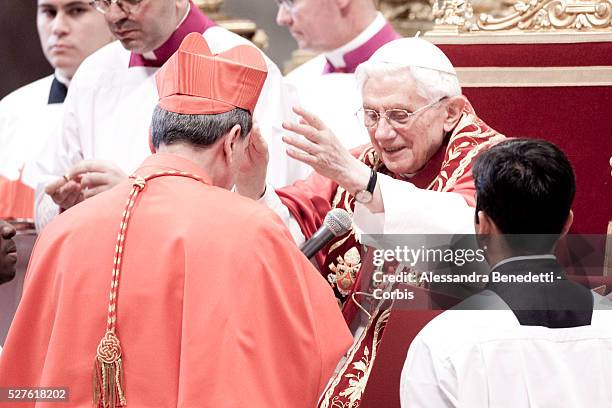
(336, 223)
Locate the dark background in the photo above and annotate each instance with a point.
(21, 59)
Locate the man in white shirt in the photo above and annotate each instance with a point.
(345, 34)
(69, 31)
(111, 100)
(535, 344)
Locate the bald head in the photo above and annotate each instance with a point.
(324, 25)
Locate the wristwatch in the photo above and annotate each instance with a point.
(365, 196)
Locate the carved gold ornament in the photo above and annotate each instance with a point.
(245, 28)
(408, 16)
(345, 271)
(527, 15)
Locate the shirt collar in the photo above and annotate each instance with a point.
(193, 21)
(169, 161)
(347, 57)
(61, 77)
(523, 258)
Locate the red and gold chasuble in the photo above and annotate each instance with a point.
(449, 170)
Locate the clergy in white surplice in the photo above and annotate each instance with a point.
(104, 135)
(69, 31)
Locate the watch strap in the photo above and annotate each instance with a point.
(372, 183)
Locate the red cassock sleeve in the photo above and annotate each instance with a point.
(309, 201)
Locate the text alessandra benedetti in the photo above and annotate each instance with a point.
(494, 277)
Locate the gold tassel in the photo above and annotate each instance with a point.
(108, 374)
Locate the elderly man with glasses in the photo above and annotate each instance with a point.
(109, 106)
(413, 178)
(343, 34)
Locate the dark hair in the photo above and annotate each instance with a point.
(198, 130)
(525, 186)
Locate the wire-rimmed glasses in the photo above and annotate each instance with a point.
(103, 6)
(397, 118)
(288, 4)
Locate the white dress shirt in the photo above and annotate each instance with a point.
(485, 358)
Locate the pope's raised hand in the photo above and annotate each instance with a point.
(320, 149)
(251, 181)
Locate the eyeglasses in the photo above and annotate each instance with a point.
(288, 4)
(127, 6)
(397, 118)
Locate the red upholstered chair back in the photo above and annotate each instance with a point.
(561, 92)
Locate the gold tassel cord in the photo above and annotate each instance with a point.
(108, 385)
(108, 373)
(108, 368)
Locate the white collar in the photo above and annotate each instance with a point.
(185, 16)
(62, 78)
(336, 57)
(522, 258)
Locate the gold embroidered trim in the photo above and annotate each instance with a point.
(380, 322)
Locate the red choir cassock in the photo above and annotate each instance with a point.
(449, 170)
(211, 303)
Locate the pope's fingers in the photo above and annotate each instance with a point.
(300, 156)
(301, 144)
(307, 131)
(310, 118)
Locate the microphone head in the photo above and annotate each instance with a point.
(338, 221)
